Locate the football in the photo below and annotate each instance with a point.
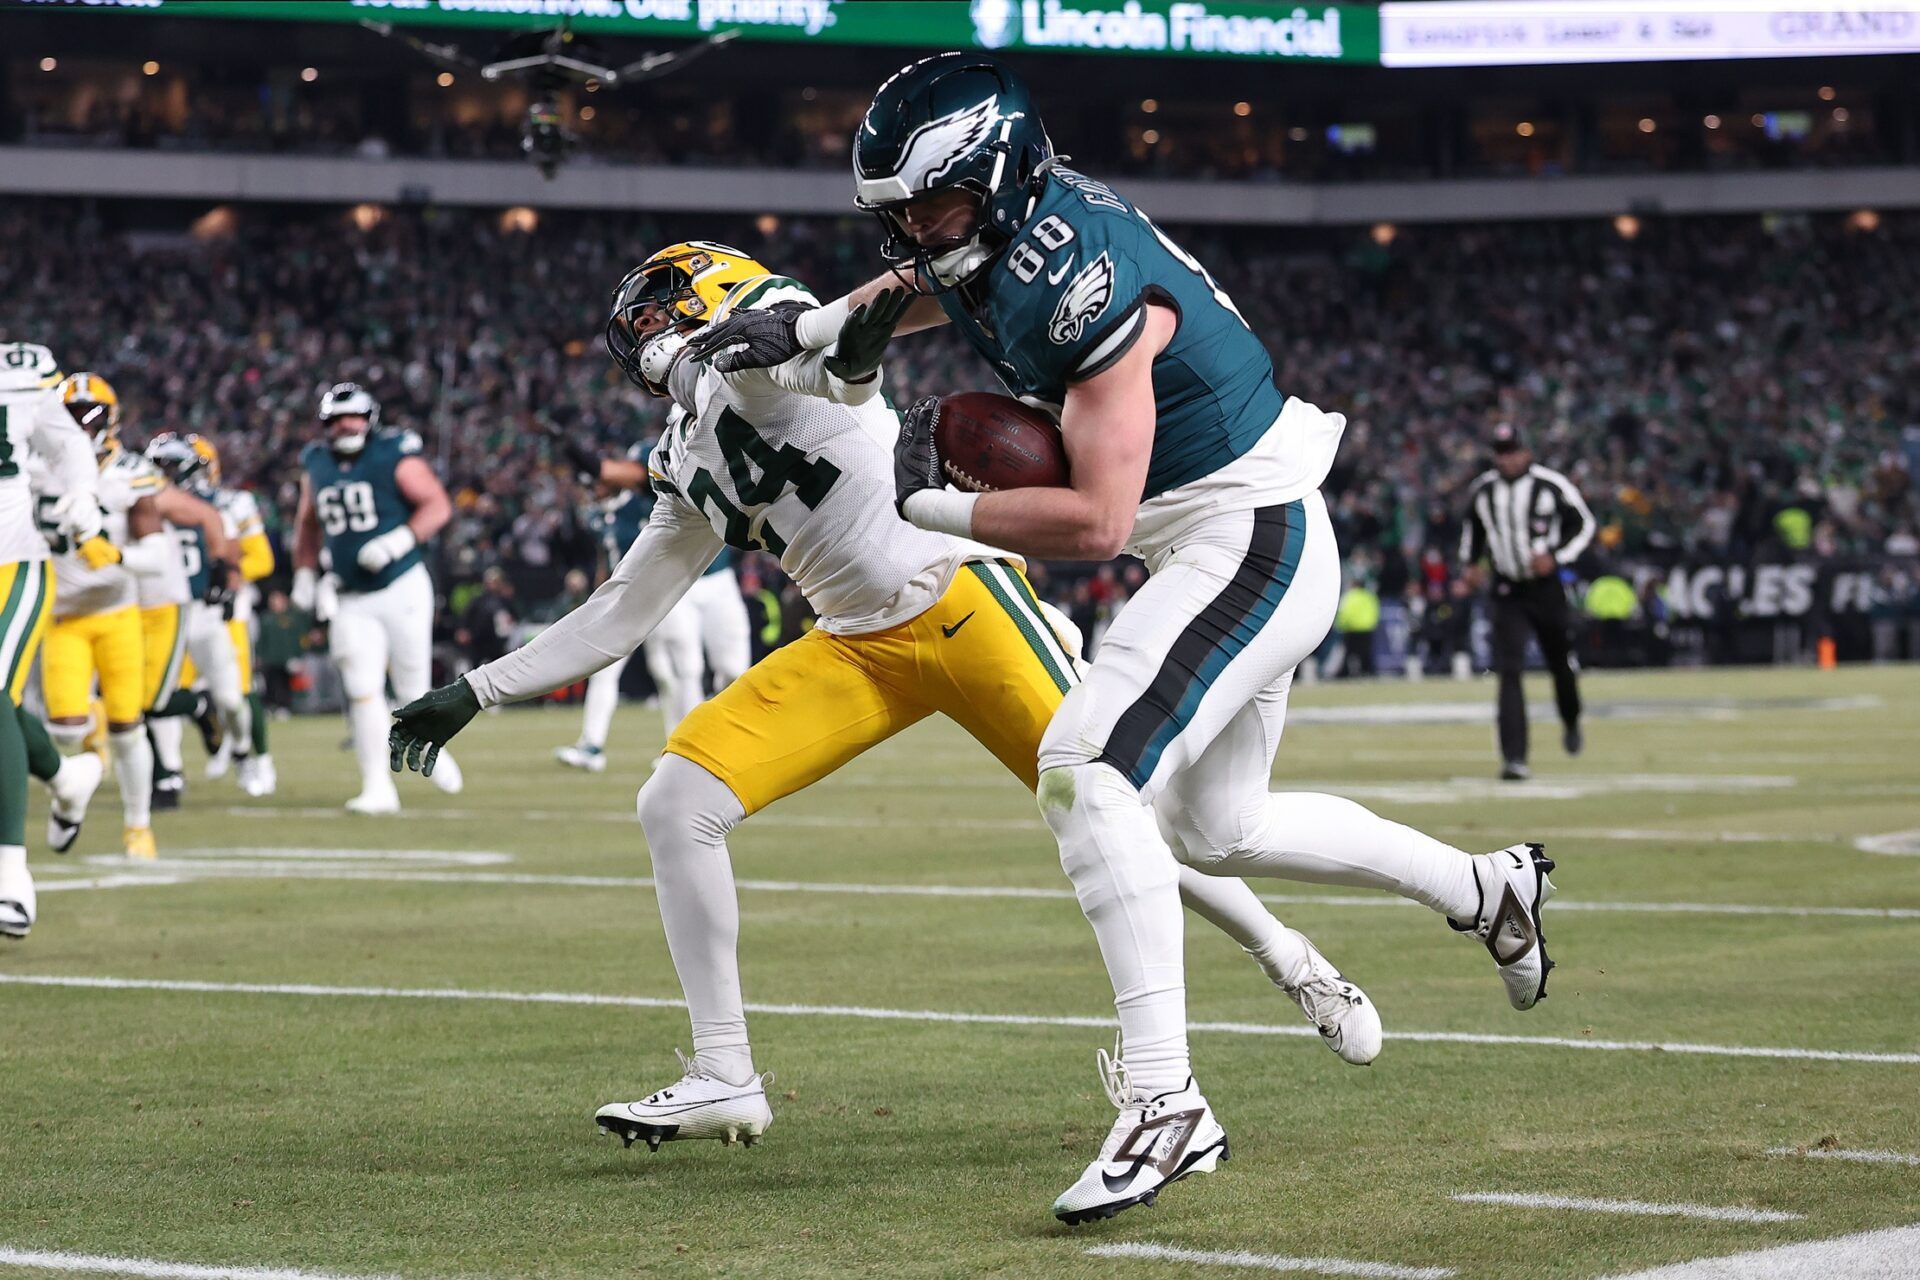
(989, 441)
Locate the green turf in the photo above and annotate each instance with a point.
(436, 1138)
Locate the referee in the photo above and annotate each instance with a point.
(1529, 521)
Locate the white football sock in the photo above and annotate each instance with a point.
(603, 698)
(1231, 906)
(370, 720)
(16, 884)
(1302, 835)
(167, 732)
(686, 813)
(1128, 886)
(133, 766)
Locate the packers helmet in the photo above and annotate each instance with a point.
(95, 406)
(954, 121)
(348, 399)
(190, 461)
(687, 282)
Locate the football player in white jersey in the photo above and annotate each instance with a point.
(368, 504)
(32, 425)
(911, 623)
(96, 634)
(216, 648)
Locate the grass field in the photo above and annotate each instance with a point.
(370, 1122)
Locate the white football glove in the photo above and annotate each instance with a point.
(326, 599)
(377, 553)
(306, 585)
(77, 515)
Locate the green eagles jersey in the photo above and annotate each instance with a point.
(192, 542)
(615, 524)
(1066, 300)
(358, 498)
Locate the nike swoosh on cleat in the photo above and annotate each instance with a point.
(949, 632)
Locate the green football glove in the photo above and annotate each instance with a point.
(864, 337)
(424, 726)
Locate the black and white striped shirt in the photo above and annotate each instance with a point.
(1511, 521)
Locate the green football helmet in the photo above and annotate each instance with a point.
(955, 120)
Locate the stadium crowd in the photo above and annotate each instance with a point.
(1714, 386)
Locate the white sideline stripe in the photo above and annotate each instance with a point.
(1856, 1157)
(1715, 1213)
(106, 882)
(101, 1264)
(1892, 1254)
(1268, 1261)
(267, 867)
(938, 1016)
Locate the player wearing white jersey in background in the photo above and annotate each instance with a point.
(368, 504)
(708, 630)
(32, 424)
(912, 623)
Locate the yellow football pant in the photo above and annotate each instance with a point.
(984, 656)
(26, 606)
(165, 652)
(105, 644)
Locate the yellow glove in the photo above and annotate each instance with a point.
(98, 552)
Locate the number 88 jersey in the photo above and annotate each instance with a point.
(791, 461)
(357, 498)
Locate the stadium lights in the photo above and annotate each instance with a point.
(1243, 109)
(1759, 119)
(1296, 134)
(216, 223)
(1383, 233)
(1867, 220)
(1627, 226)
(593, 86)
(1841, 115)
(444, 79)
(48, 64)
(1524, 128)
(1150, 136)
(1827, 93)
(519, 219)
(366, 216)
(1646, 124)
(1150, 105)
(766, 224)
(1712, 122)
(150, 67)
(587, 113)
(309, 74)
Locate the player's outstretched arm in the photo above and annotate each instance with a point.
(772, 336)
(1107, 426)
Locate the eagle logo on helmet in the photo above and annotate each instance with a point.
(937, 146)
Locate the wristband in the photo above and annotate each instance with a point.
(942, 511)
(818, 329)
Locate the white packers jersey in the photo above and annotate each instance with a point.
(240, 516)
(772, 466)
(79, 590)
(20, 537)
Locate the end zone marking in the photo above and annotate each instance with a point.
(1715, 1213)
(102, 1264)
(935, 1015)
(1856, 1157)
(1871, 1255)
(1269, 1261)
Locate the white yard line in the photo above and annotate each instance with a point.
(1268, 1262)
(1713, 1213)
(45, 885)
(939, 1016)
(1855, 1157)
(102, 1265)
(1893, 1254)
(269, 866)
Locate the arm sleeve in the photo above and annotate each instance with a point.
(148, 556)
(673, 548)
(1574, 540)
(68, 452)
(806, 374)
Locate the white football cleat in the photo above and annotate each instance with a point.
(447, 775)
(582, 756)
(17, 900)
(376, 802)
(1154, 1141)
(1346, 1019)
(1513, 886)
(70, 790)
(220, 761)
(698, 1105)
(257, 776)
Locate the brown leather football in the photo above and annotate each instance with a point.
(990, 442)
